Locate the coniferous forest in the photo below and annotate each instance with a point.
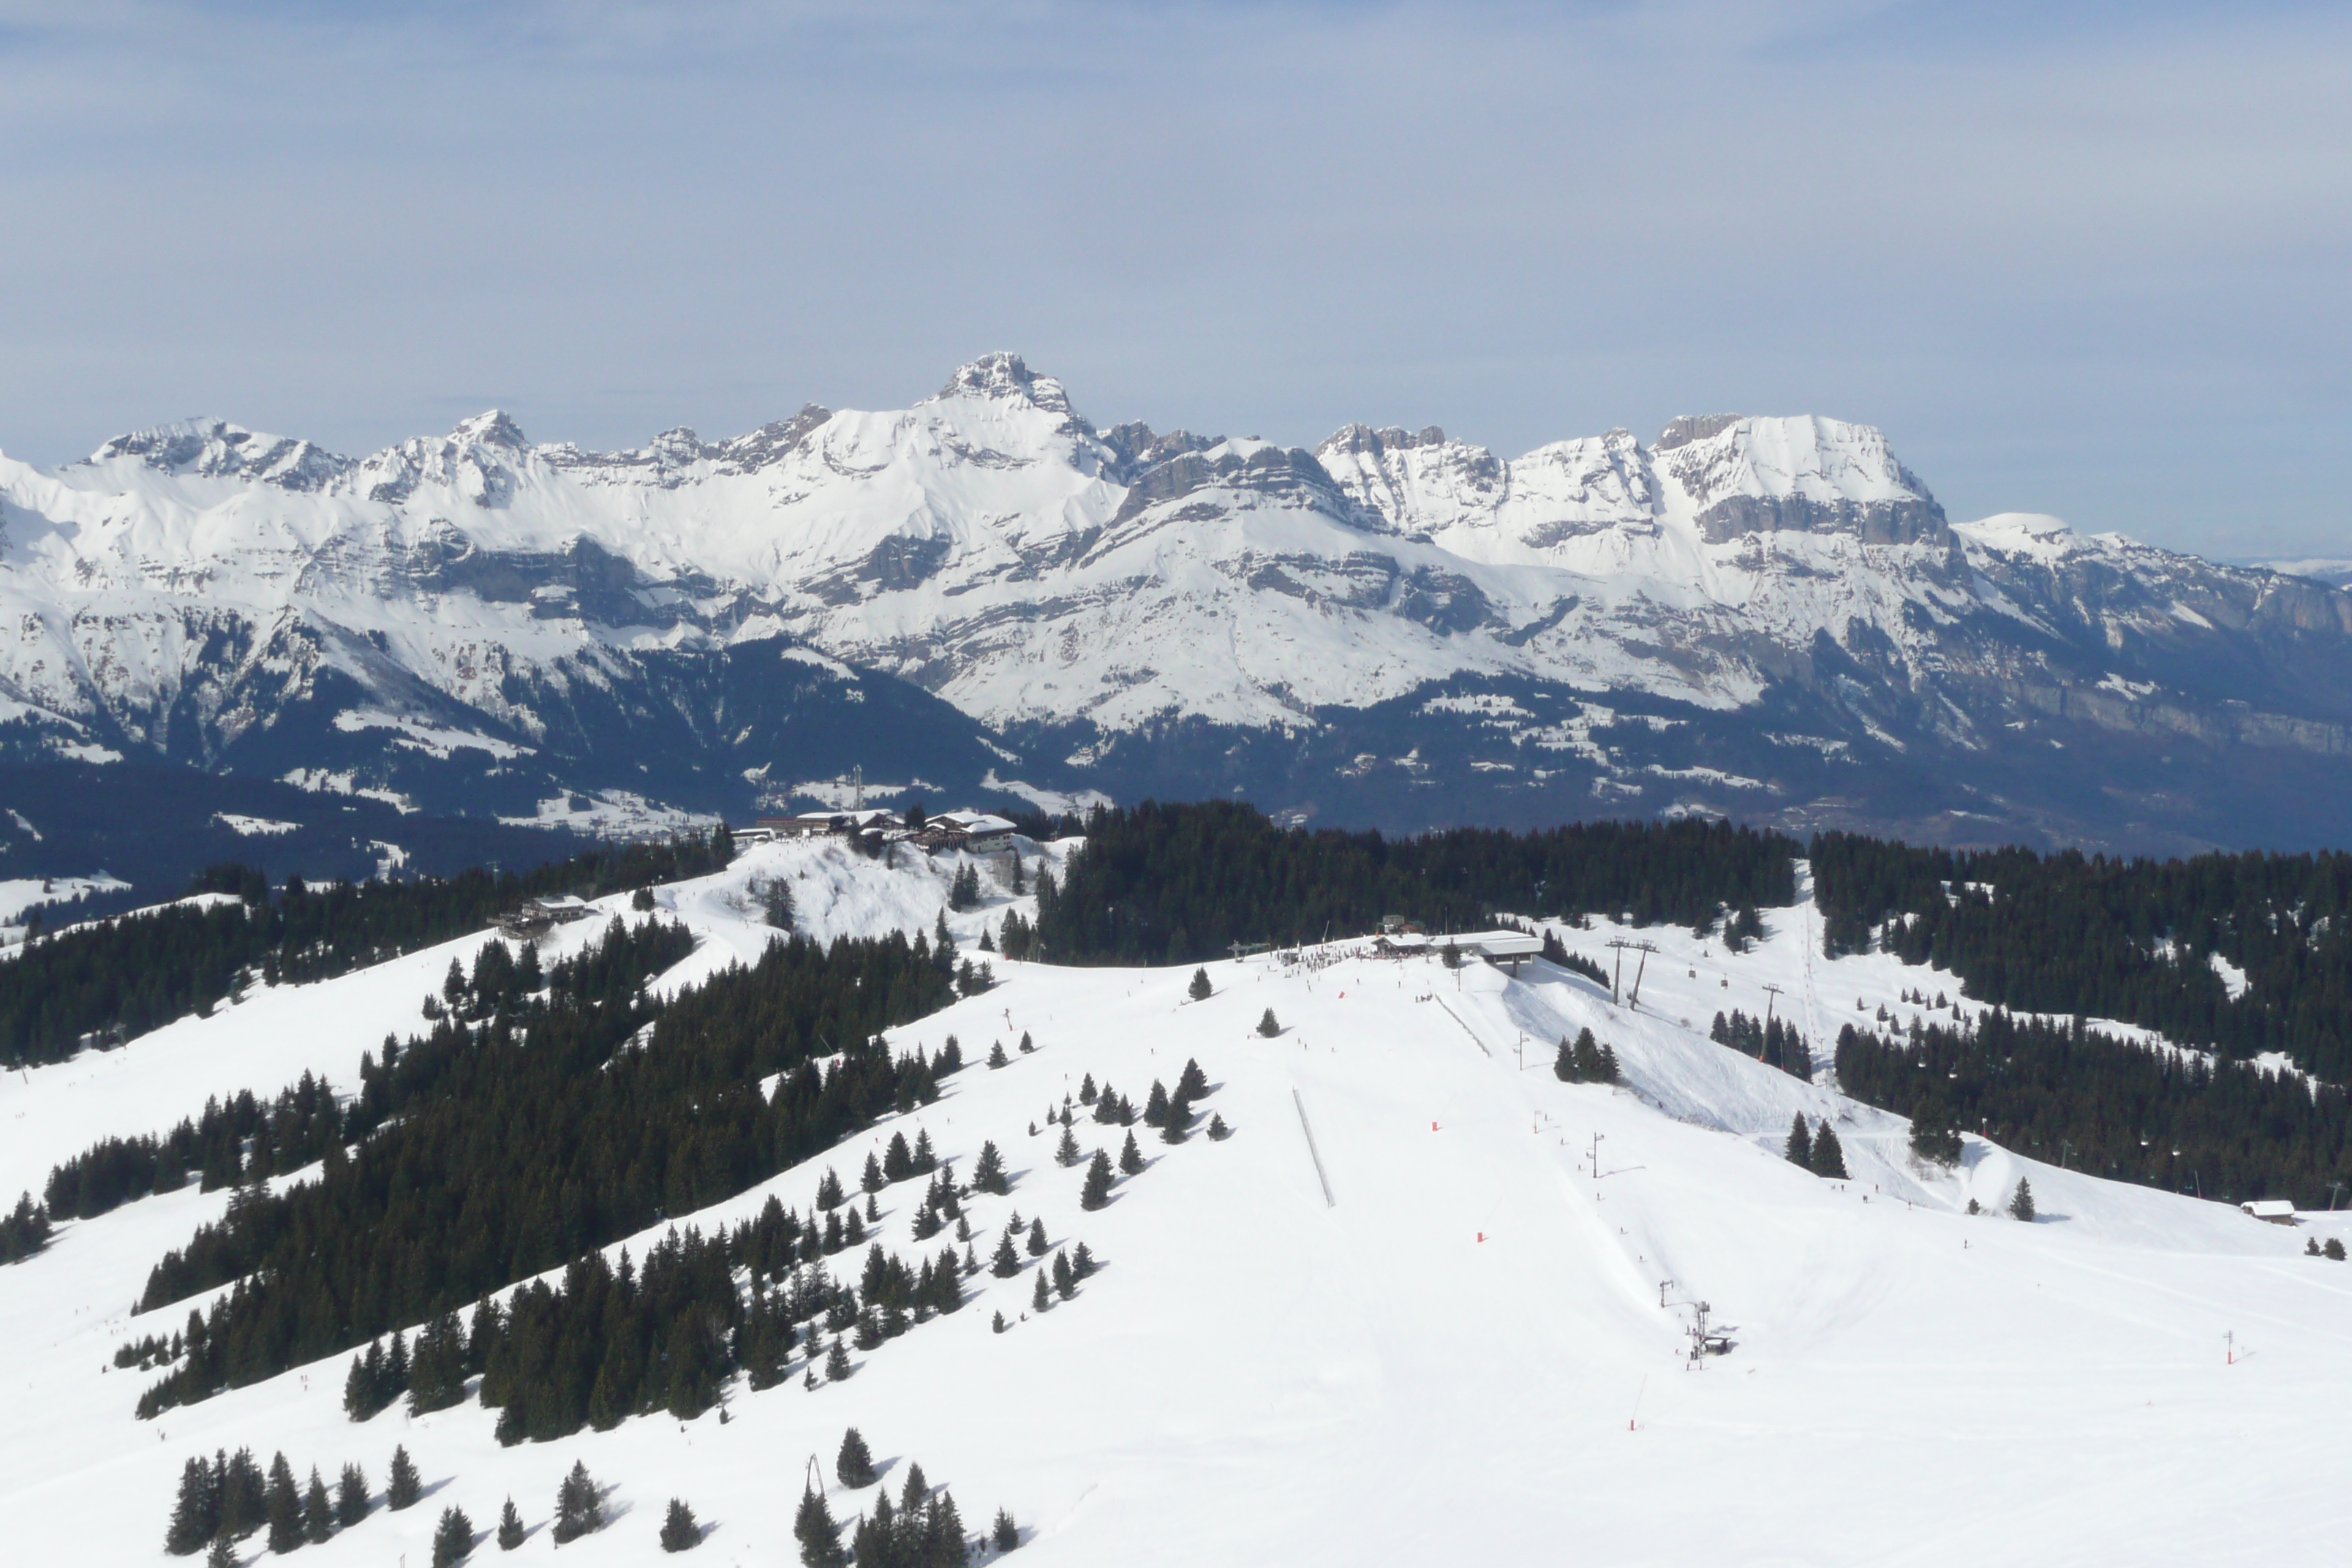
(1163, 883)
(105, 983)
(2130, 940)
(527, 1128)
(2212, 1128)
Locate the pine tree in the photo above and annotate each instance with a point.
(917, 1489)
(510, 1530)
(452, 1538)
(998, 1324)
(897, 1160)
(1829, 1156)
(1097, 1192)
(1082, 1262)
(988, 1172)
(317, 1512)
(853, 1465)
(195, 1515)
(1063, 1280)
(836, 1361)
(1005, 1535)
(283, 1503)
(239, 1483)
(872, 1180)
(679, 1530)
(1037, 1238)
(1067, 1152)
(351, 1496)
(1267, 1025)
(1218, 1131)
(1155, 1105)
(1191, 1083)
(223, 1554)
(996, 1056)
(1200, 990)
(1178, 1123)
(1042, 1297)
(1131, 1158)
(2333, 1248)
(405, 1487)
(819, 1535)
(2020, 1204)
(1006, 1262)
(829, 1194)
(579, 1510)
(1800, 1148)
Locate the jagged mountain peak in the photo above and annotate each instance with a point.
(1005, 375)
(492, 427)
(209, 447)
(1684, 428)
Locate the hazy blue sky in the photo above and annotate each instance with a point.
(2087, 259)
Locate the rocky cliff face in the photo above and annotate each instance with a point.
(1767, 617)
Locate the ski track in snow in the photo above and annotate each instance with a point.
(1443, 1366)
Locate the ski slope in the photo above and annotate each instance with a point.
(1463, 1356)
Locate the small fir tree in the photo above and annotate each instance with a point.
(1067, 1152)
(1004, 1535)
(1828, 1155)
(1006, 1263)
(819, 1535)
(223, 1554)
(1082, 1262)
(988, 1173)
(1041, 1298)
(1063, 1280)
(351, 1496)
(2333, 1248)
(1191, 1083)
(1097, 1192)
(1155, 1105)
(452, 1538)
(405, 1487)
(1800, 1149)
(2020, 1204)
(195, 1514)
(1267, 1025)
(579, 1509)
(1218, 1131)
(1200, 990)
(1131, 1158)
(318, 1510)
(853, 1465)
(1037, 1238)
(679, 1530)
(996, 1056)
(1178, 1121)
(283, 1502)
(510, 1530)
(836, 1361)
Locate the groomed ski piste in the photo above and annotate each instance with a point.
(1476, 1349)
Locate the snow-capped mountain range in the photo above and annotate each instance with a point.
(1771, 617)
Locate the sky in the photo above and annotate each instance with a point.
(2086, 260)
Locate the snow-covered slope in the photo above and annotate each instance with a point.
(249, 601)
(1475, 1350)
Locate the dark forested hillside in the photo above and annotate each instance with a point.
(2071, 1096)
(528, 1128)
(107, 982)
(1162, 883)
(2131, 940)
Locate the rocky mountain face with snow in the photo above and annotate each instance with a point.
(988, 594)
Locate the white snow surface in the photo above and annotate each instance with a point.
(1463, 1358)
